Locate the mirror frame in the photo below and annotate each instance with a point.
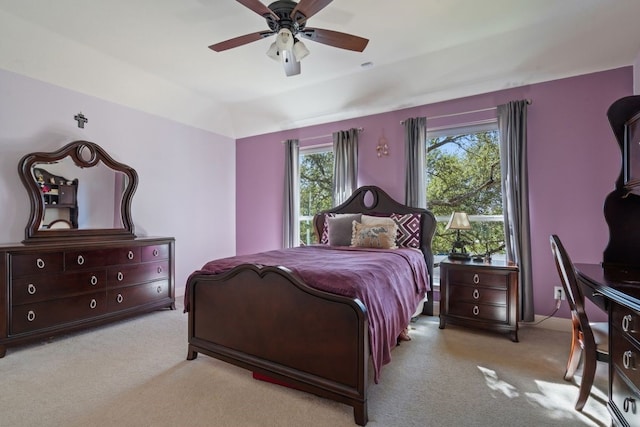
(77, 151)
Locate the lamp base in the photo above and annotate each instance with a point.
(459, 256)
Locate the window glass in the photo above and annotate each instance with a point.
(316, 181)
(463, 172)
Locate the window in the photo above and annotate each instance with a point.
(316, 182)
(463, 172)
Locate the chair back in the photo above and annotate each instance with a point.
(572, 290)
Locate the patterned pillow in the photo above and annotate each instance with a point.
(374, 236)
(324, 238)
(408, 230)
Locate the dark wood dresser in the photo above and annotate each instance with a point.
(480, 295)
(48, 290)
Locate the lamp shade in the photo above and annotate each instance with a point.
(284, 40)
(300, 50)
(458, 221)
(273, 52)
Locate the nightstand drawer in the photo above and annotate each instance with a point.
(494, 313)
(478, 278)
(478, 295)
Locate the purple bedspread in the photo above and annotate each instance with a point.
(389, 282)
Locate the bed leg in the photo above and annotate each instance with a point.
(191, 354)
(360, 413)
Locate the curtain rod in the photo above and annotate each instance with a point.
(529, 102)
(322, 136)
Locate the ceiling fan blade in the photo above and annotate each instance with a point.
(258, 8)
(239, 41)
(309, 7)
(291, 66)
(335, 38)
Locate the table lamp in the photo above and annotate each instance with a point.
(458, 221)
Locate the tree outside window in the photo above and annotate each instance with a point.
(463, 172)
(316, 182)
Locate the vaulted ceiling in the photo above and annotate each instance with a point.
(153, 55)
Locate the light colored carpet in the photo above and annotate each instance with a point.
(134, 373)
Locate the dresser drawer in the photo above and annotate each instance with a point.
(127, 275)
(626, 320)
(625, 399)
(83, 259)
(493, 313)
(625, 356)
(27, 290)
(476, 294)
(31, 317)
(132, 296)
(478, 278)
(42, 263)
(155, 252)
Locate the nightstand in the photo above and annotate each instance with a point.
(480, 295)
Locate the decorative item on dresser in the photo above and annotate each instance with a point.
(481, 295)
(63, 279)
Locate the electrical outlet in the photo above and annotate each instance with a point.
(558, 293)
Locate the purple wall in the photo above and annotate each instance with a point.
(574, 161)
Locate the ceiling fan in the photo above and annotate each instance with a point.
(288, 19)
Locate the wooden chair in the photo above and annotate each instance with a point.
(588, 339)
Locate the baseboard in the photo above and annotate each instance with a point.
(552, 323)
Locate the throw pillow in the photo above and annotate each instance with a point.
(340, 229)
(374, 236)
(408, 230)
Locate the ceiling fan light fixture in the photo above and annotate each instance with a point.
(300, 51)
(273, 52)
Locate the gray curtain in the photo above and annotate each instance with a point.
(415, 148)
(512, 124)
(291, 226)
(345, 165)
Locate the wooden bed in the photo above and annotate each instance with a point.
(265, 319)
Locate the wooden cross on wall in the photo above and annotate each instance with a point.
(81, 119)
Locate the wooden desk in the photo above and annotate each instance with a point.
(603, 285)
(618, 292)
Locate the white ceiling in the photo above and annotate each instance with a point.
(153, 55)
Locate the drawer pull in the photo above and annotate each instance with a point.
(80, 260)
(94, 280)
(628, 360)
(31, 316)
(40, 263)
(626, 321)
(31, 288)
(159, 289)
(476, 310)
(159, 270)
(119, 298)
(476, 278)
(155, 252)
(629, 403)
(120, 276)
(93, 303)
(476, 294)
(130, 255)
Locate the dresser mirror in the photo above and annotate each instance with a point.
(78, 192)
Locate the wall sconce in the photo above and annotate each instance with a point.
(382, 149)
(458, 221)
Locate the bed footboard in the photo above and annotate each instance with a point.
(268, 321)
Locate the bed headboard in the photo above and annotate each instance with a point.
(371, 200)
